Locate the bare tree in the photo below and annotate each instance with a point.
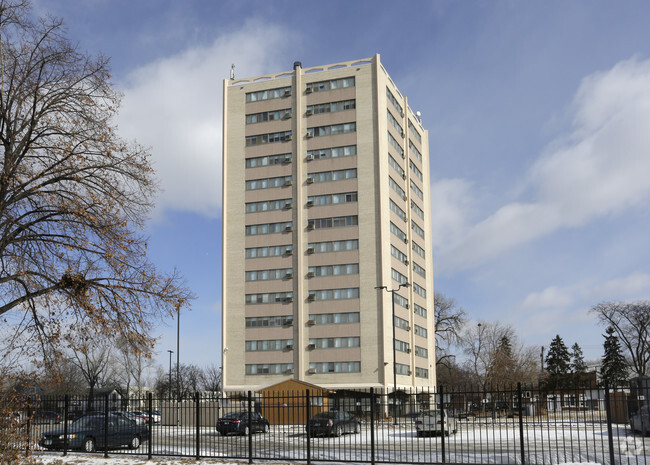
(131, 365)
(73, 196)
(96, 363)
(450, 319)
(631, 323)
(211, 380)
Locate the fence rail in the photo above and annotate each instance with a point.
(502, 426)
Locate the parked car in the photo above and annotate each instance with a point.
(237, 422)
(47, 417)
(428, 422)
(88, 433)
(332, 423)
(640, 421)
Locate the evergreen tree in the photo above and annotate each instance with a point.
(578, 364)
(558, 358)
(614, 366)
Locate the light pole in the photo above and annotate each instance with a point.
(178, 364)
(170, 373)
(392, 292)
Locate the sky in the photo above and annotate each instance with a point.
(539, 131)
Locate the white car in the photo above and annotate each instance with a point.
(428, 423)
(640, 421)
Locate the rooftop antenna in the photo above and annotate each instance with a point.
(232, 71)
(417, 113)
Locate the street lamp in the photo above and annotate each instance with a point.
(170, 372)
(392, 292)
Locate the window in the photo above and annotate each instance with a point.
(268, 228)
(415, 150)
(336, 367)
(268, 183)
(395, 165)
(402, 369)
(268, 298)
(417, 190)
(401, 323)
(268, 116)
(268, 368)
(421, 352)
(401, 301)
(260, 139)
(262, 252)
(334, 246)
(395, 252)
(415, 169)
(419, 290)
(332, 199)
(336, 175)
(335, 294)
(419, 270)
(335, 270)
(269, 321)
(335, 318)
(418, 250)
(395, 144)
(397, 276)
(421, 372)
(333, 130)
(414, 131)
(268, 275)
(418, 211)
(268, 160)
(268, 205)
(402, 346)
(398, 232)
(334, 222)
(332, 107)
(418, 230)
(336, 342)
(420, 331)
(393, 100)
(419, 310)
(332, 84)
(264, 346)
(395, 123)
(333, 152)
(396, 188)
(397, 210)
(268, 94)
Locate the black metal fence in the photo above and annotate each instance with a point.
(521, 425)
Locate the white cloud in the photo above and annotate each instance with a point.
(174, 106)
(600, 169)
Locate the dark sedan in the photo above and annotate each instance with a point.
(237, 423)
(88, 433)
(333, 423)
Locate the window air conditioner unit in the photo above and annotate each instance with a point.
(404, 218)
(408, 306)
(311, 346)
(287, 93)
(287, 205)
(310, 180)
(288, 299)
(288, 228)
(289, 347)
(289, 322)
(310, 203)
(287, 182)
(311, 322)
(309, 112)
(401, 113)
(287, 138)
(288, 371)
(310, 250)
(408, 351)
(406, 262)
(403, 196)
(404, 176)
(309, 90)
(409, 373)
(310, 226)
(309, 135)
(402, 134)
(287, 159)
(311, 297)
(309, 157)
(311, 274)
(288, 252)
(406, 240)
(287, 115)
(403, 156)
(311, 371)
(408, 328)
(288, 275)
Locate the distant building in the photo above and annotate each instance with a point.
(325, 197)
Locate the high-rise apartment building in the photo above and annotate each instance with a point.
(325, 199)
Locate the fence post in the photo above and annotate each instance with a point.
(28, 432)
(250, 427)
(521, 424)
(198, 425)
(106, 426)
(610, 437)
(149, 433)
(372, 426)
(442, 424)
(66, 406)
(308, 428)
